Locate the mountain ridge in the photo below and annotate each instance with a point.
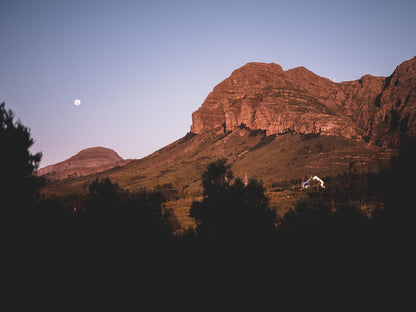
(278, 125)
(264, 96)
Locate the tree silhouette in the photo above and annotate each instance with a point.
(18, 164)
(145, 218)
(216, 178)
(395, 187)
(114, 217)
(232, 212)
(309, 220)
(103, 198)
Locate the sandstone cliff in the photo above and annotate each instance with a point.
(87, 161)
(264, 96)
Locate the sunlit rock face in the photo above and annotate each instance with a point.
(264, 96)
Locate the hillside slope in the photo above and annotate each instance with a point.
(268, 158)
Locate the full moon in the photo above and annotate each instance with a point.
(77, 102)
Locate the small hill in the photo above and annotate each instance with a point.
(87, 161)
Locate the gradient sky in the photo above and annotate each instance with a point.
(141, 68)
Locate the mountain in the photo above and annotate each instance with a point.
(87, 161)
(276, 125)
(372, 109)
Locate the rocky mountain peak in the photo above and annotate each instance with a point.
(264, 96)
(258, 67)
(96, 153)
(88, 161)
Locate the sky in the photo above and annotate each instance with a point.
(141, 68)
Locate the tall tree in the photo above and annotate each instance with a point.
(17, 164)
(231, 210)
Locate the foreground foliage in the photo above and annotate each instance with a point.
(232, 210)
(358, 209)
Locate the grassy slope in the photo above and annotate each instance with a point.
(270, 159)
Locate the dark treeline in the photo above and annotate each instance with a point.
(102, 219)
(353, 208)
(359, 228)
(356, 213)
(106, 217)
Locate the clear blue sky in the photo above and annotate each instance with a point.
(141, 68)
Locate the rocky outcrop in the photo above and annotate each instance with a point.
(264, 96)
(396, 106)
(87, 161)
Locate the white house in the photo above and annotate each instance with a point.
(306, 184)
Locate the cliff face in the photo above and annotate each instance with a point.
(87, 161)
(396, 106)
(264, 96)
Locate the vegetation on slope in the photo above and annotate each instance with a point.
(271, 159)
